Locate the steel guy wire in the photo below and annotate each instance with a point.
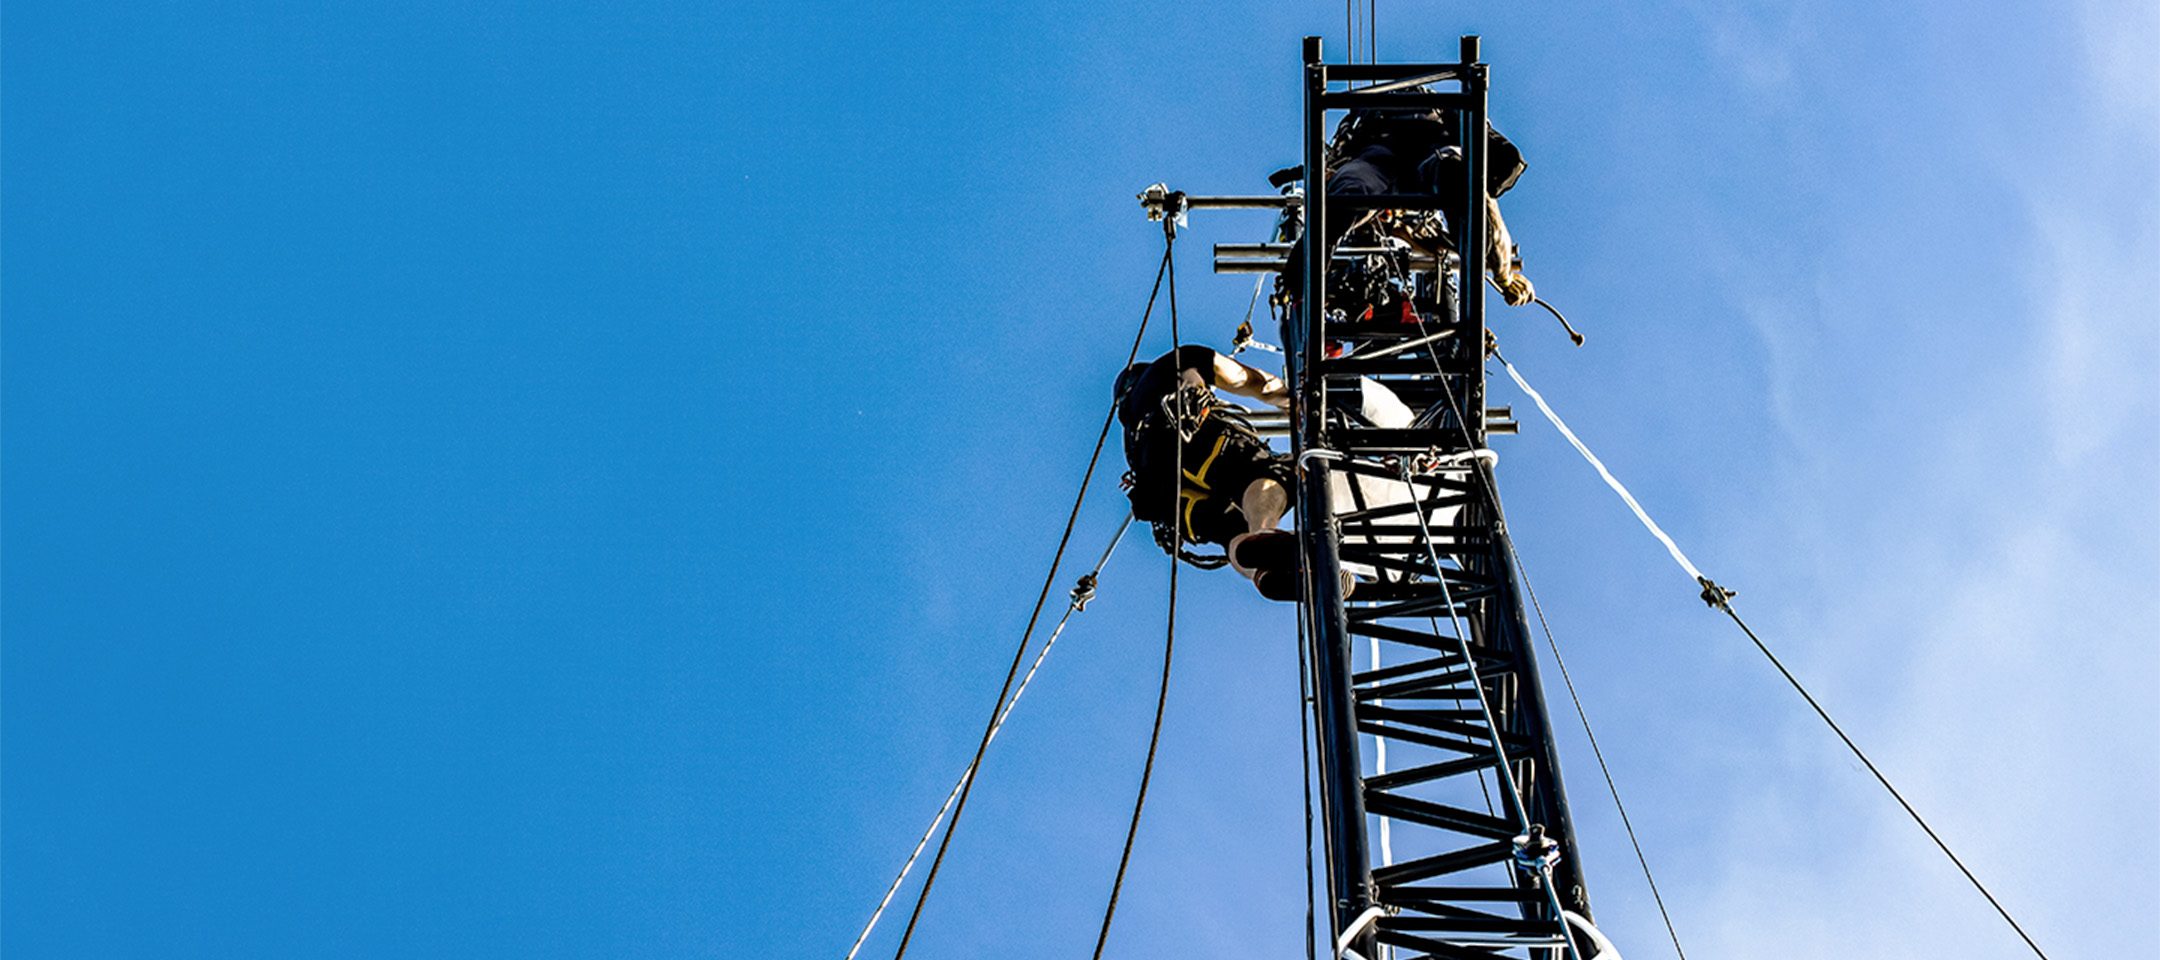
(1721, 598)
(1580, 714)
(1080, 597)
(1020, 652)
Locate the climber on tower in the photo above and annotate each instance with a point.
(1381, 152)
(1235, 488)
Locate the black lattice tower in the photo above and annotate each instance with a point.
(1456, 891)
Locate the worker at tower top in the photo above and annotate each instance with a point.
(1379, 152)
(1235, 488)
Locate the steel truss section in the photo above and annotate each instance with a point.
(1434, 580)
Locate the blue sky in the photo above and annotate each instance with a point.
(487, 480)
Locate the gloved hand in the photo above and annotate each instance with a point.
(1514, 287)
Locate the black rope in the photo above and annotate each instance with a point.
(1507, 543)
(1580, 714)
(1147, 770)
(1726, 605)
(1162, 693)
(1020, 653)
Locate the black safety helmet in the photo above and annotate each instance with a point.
(1126, 380)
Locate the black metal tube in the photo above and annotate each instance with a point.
(1413, 256)
(1355, 99)
(1261, 202)
(1405, 83)
(1393, 71)
(1304, 339)
(1473, 239)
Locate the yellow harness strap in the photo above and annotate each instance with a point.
(1191, 496)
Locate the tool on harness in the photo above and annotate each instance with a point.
(1183, 412)
(1433, 461)
(1166, 538)
(1188, 408)
(1371, 285)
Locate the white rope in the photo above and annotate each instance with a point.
(1357, 928)
(1610, 480)
(1076, 603)
(1604, 949)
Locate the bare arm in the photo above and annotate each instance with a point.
(1237, 378)
(1502, 258)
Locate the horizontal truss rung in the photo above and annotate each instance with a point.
(1430, 72)
(1441, 864)
(1427, 773)
(1360, 100)
(1408, 894)
(1439, 815)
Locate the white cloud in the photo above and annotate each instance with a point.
(2018, 714)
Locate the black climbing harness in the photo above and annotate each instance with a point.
(1179, 419)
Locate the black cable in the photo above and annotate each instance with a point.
(1726, 605)
(1349, 22)
(1147, 770)
(923, 896)
(1177, 522)
(1305, 708)
(1580, 714)
(1441, 374)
